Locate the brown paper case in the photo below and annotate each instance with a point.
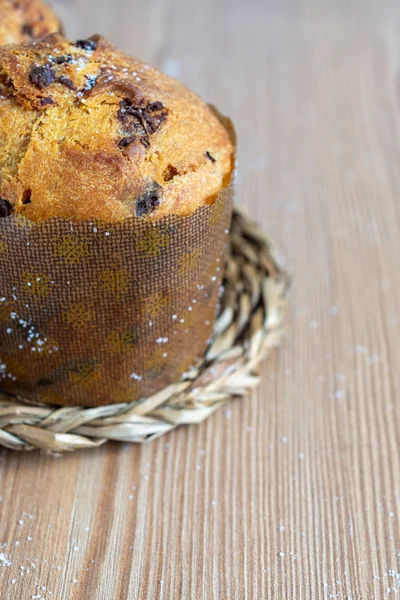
(94, 314)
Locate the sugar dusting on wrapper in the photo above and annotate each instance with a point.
(94, 313)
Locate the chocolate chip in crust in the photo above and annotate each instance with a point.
(43, 76)
(46, 101)
(126, 141)
(86, 44)
(170, 172)
(149, 201)
(140, 121)
(26, 196)
(27, 29)
(67, 82)
(210, 157)
(60, 60)
(153, 106)
(5, 208)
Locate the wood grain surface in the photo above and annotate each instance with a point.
(293, 493)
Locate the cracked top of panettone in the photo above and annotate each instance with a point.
(25, 20)
(87, 132)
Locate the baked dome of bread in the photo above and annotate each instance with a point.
(25, 20)
(87, 132)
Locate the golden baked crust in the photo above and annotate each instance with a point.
(87, 132)
(25, 20)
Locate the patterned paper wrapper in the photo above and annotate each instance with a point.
(94, 314)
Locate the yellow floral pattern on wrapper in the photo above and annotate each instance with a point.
(189, 261)
(23, 223)
(115, 281)
(153, 242)
(121, 341)
(78, 315)
(84, 373)
(3, 247)
(156, 303)
(36, 284)
(71, 250)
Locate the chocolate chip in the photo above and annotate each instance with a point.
(141, 121)
(86, 44)
(60, 60)
(27, 29)
(210, 157)
(126, 141)
(153, 122)
(5, 208)
(149, 201)
(66, 81)
(130, 111)
(136, 131)
(43, 76)
(153, 106)
(26, 196)
(170, 172)
(126, 103)
(144, 140)
(46, 101)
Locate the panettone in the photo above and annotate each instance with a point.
(87, 132)
(115, 200)
(25, 20)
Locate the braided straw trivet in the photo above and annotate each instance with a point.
(249, 323)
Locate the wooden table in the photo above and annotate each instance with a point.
(294, 492)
